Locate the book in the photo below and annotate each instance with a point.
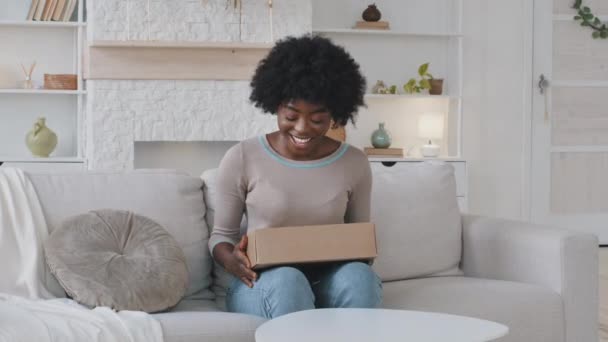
(372, 25)
(52, 8)
(40, 9)
(384, 152)
(47, 8)
(32, 11)
(58, 14)
(69, 10)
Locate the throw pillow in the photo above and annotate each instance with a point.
(418, 224)
(117, 259)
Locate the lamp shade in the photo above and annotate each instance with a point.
(430, 126)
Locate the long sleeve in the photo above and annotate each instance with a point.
(230, 200)
(359, 202)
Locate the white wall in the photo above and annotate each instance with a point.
(496, 62)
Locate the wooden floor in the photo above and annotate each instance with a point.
(604, 294)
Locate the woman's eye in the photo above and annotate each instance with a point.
(290, 118)
(317, 122)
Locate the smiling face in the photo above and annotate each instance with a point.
(302, 127)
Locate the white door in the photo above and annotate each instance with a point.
(569, 178)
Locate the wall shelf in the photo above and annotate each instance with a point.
(41, 160)
(387, 33)
(178, 44)
(42, 91)
(409, 96)
(46, 24)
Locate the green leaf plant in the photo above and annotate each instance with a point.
(414, 86)
(588, 19)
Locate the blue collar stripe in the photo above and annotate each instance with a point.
(288, 163)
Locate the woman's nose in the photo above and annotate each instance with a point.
(301, 126)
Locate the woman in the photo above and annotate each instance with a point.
(296, 176)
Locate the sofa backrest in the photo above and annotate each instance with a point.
(172, 199)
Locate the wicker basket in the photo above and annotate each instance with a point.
(338, 134)
(61, 81)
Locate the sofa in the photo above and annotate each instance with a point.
(541, 282)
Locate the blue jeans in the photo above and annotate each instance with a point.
(282, 290)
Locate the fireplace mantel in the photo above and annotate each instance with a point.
(172, 60)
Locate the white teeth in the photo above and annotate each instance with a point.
(301, 140)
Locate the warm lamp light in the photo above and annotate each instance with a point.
(430, 126)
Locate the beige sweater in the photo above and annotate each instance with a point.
(277, 192)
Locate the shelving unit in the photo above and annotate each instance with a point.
(57, 49)
(394, 56)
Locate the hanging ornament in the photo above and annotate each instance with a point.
(588, 19)
(270, 20)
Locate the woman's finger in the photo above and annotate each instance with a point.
(247, 272)
(243, 243)
(242, 258)
(247, 282)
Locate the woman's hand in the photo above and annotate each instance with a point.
(238, 263)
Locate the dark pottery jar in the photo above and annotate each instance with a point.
(371, 13)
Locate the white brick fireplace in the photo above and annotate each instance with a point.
(121, 113)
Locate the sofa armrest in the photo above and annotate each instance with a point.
(564, 261)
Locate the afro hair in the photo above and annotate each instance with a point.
(312, 69)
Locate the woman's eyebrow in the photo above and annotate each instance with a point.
(293, 108)
(319, 110)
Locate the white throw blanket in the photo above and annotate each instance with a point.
(28, 310)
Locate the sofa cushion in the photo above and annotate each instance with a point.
(202, 323)
(531, 312)
(418, 224)
(173, 199)
(117, 259)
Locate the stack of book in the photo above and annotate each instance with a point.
(384, 152)
(55, 10)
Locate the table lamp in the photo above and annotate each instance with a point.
(430, 126)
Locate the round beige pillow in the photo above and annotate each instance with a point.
(117, 259)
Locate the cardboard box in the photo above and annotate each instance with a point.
(311, 244)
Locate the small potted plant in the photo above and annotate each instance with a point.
(434, 85)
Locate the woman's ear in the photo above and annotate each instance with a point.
(334, 125)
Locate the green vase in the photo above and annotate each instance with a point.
(381, 138)
(41, 140)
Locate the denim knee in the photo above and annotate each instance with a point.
(351, 285)
(278, 291)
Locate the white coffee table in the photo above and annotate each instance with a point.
(369, 325)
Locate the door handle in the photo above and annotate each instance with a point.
(543, 84)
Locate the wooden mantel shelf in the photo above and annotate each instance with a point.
(172, 60)
(178, 44)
